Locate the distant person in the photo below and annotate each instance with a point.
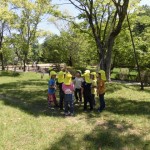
(86, 90)
(68, 88)
(93, 87)
(78, 83)
(101, 89)
(60, 81)
(52, 89)
(42, 73)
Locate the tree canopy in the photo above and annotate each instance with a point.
(97, 35)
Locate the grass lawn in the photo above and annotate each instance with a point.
(27, 124)
(124, 74)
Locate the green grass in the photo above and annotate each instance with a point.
(26, 123)
(124, 74)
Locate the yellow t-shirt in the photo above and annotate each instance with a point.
(94, 85)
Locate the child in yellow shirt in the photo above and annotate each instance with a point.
(101, 89)
(93, 87)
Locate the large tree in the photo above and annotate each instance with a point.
(6, 18)
(105, 19)
(29, 16)
(22, 18)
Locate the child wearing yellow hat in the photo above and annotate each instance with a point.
(68, 88)
(60, 81)
(52, 89)
(93, 87)
(86, 90)
(101, 89)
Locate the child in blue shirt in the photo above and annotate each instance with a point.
(52, 89)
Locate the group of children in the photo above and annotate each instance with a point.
(86, 85)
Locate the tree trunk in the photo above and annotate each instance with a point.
(109, 57)
(1, 53)
(1, 43)
(70, 61)
(2, 60)
(114, 61)
(24, 63)
(102, 59)
(101, 50)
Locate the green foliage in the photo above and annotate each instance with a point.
(20, 19)
(124, 74)
(6, 19)
(131, 74)
(123, 55)
(28, 18)
(142, 33)
(71, 47)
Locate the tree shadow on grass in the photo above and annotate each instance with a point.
(120, 106)
(113, 87)
(66, 142)
(32, 100)
(21, 84)
(113, 135)
(32, 107)
(35, 103)
(128, 107)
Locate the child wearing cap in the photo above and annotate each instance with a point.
(68, 88)
(101, 89)
(86, 90)
(60, 81)
(78, 83)
(93, 87)
(52, 89)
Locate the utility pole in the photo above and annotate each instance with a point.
(135, 55)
